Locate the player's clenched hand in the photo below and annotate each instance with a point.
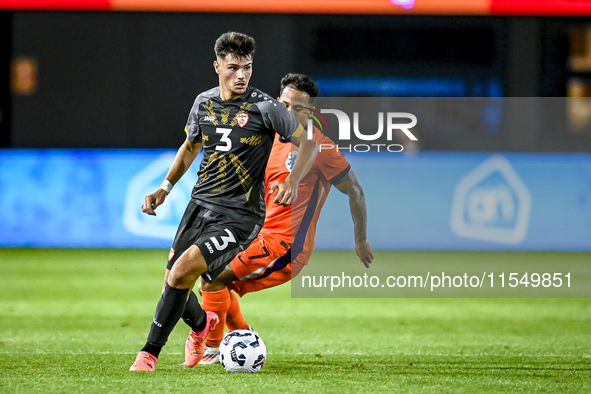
(364, 252)
(152, 201)
(286, 195)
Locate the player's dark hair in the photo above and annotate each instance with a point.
(234, 43)
(300, 82)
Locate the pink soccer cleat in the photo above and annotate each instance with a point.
(144, 362)
(195, 346)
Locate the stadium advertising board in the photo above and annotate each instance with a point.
(416, 199)
(426, 200)
(450, 7)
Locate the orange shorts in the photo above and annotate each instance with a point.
(266, 263)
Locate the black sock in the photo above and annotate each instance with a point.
(194, 315)
(168, 312)
(154, 350)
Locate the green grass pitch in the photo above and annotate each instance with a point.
(72, 321)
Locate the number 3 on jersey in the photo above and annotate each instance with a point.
(225, 133)
(225, 240)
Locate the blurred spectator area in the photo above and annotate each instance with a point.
(128, 79)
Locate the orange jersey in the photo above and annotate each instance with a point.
(297, 224)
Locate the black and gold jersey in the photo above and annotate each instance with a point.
(237, 137)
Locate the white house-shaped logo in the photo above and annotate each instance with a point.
(169, 214)
(491, 203)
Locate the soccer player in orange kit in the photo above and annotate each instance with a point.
(286, 241)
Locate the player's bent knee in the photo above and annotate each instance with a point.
(213, 286)
(187, 269)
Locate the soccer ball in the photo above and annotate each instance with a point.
(242, 351)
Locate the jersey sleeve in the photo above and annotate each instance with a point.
(331, 162)
(277, 117)
(192, 127)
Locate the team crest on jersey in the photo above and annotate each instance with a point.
(171, 254)
(242, 118)
(291, 159)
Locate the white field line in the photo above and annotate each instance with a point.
(330, 353)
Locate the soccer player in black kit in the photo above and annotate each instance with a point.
(235, 125)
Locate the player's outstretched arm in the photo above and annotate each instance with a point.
(181, 163)
(351, 187)
(308, 151)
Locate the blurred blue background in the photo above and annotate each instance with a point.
(431, 200)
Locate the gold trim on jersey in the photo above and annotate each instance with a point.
(245, 107)
(225, 115)
(208, 105)
(243, 175)
(220, 185)
(253, 139)
(210, 161)
(205, 137)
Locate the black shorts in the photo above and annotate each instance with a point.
(219, 237)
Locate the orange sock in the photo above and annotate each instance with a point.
(218, 302)
(234, 318)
